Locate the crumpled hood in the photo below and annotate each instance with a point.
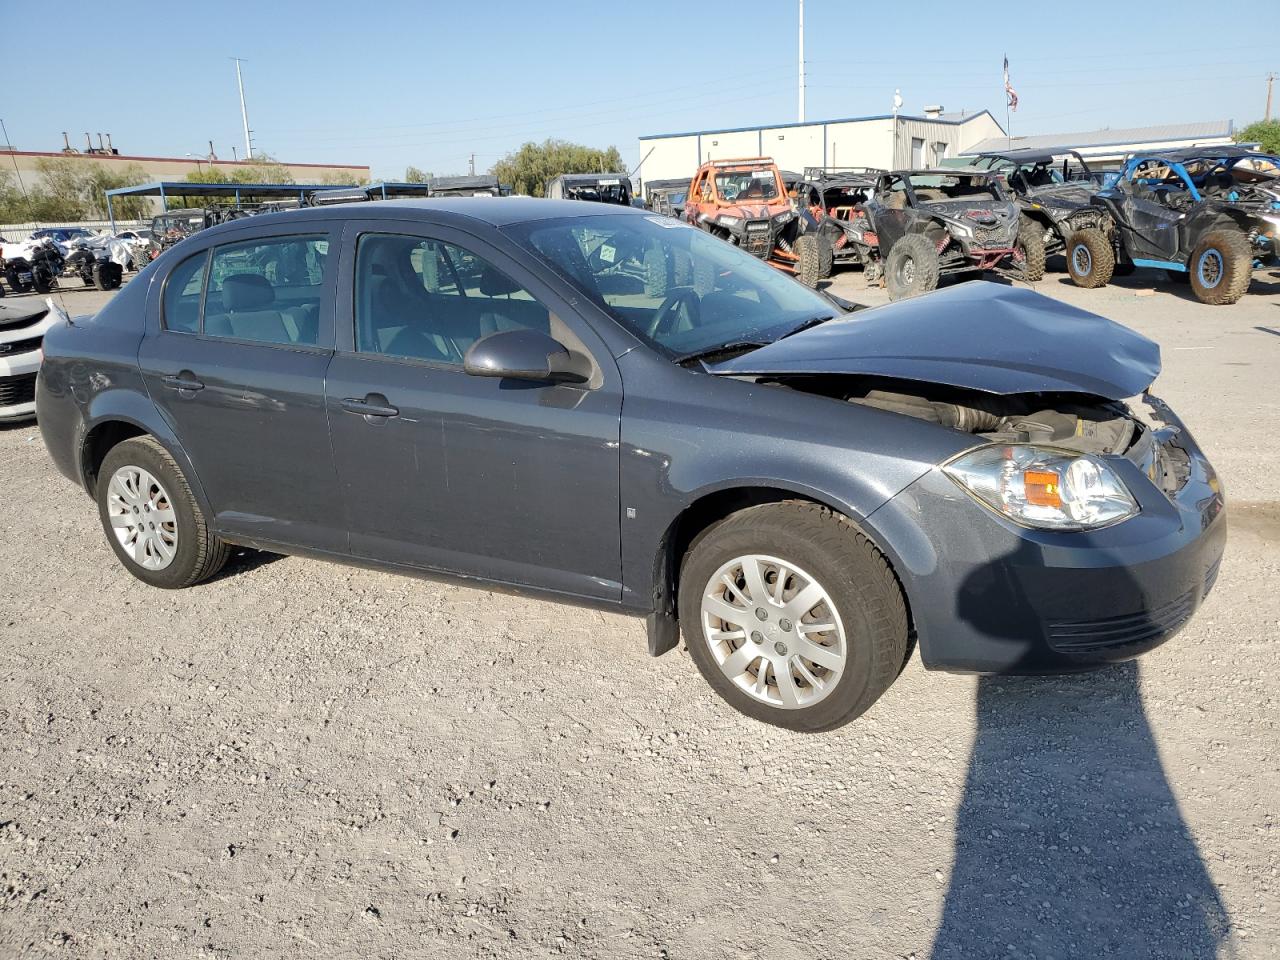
(976, 335)
(1074, 194)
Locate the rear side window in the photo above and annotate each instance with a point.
(181, 311)
(266, 291)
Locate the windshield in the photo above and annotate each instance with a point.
(739, 185)
(933, 187)
(670, 284)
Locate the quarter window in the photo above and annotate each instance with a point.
(267, 291)
(181, 310)
(428, 300)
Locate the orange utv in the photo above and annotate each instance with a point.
(745, 203)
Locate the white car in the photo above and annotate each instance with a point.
(22, 329)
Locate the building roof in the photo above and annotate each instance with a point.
(954, 119)
(82, 155)
(1118, 137)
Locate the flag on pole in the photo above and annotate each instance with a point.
(1009, 92)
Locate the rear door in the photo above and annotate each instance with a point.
(504, 480)
(239, 337)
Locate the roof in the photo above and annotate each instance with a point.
(464, 181)
(493, 211)
(670, 184)
(1181, 154)
(573, 178)
(186, 188)
(1119, 137)
(1026, 155)
(83, 155)
(950, 119)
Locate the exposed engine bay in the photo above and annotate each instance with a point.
(1074, 422)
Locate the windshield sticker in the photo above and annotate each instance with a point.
(607, 253)
(607, 183)
(666, 222)
(761, 174)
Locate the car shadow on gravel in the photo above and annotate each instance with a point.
(244, 560)
(1069, 839)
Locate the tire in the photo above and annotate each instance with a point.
(41, 280)
(1090, 259)
(862, 597)
(1221, 267)
(809, 267)
(682, 268)
(911, 268)
(704, 276)
(826, 256)
(196, 553)
(657, 274)
(1031, 242)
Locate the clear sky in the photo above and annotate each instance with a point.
(395, 82)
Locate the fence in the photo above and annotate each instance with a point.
(20, 231)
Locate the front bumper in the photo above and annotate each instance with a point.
(988, 596)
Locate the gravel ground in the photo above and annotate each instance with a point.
(304, 760)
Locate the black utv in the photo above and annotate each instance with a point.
(597, 187)
(93, 266)
(667, 196)
(836, 199)
(476, 185)
(1204, 215)
(928, 224)
(1054, 191)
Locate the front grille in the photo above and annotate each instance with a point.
(14, 347)
(1082, 636)
(994, 236)
(15, 390)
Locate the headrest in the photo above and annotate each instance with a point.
(494, 283)
(247, 291)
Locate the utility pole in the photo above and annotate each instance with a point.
(473, 164)
(1271, 79)
(244, 113)
(801, 118)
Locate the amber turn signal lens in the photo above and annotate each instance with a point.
(1042, 488)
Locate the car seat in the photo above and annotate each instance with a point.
(248, 311)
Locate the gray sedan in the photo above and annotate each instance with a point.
(609, 408)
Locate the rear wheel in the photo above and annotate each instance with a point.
(1221, 267)
(809, 266)
(826, 255)
(793, 616)
(152, 521)
(1090, 259)
(912, 267)
(107, 276)
(42, 279)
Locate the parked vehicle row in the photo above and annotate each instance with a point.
(490, 390)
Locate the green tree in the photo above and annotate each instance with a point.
(414, 175)
(529, 168)
(1264, 132)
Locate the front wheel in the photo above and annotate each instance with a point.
(809, 266)
(1028, 252)
(912, 267)
(152, 521)
(793, 616)
(1221, 267)
(1091, 261)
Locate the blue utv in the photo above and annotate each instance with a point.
(1207, 215)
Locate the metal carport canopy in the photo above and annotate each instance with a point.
(164, 189)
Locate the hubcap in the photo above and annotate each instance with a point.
(1209, 268)
(1082, 259)
(792, 656)
(908, 271)
(142, 517)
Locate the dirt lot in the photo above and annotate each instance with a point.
(304, 760)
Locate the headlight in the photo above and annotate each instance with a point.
(960, 229)
(727, 221)
(783, 216)
(1048, 489)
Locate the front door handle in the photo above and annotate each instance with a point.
(182, 381)
(373, 405)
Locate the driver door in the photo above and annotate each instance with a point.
(1153, 225)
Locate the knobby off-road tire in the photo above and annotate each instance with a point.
(826, 256)
(861, 597)
(197, 553)
(1091, 261)
(1221, 267)
(911, 268)
(657, 273)
(1031, 242)
(107, 276)
(809, 266)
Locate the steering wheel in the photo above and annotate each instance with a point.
(667, 312)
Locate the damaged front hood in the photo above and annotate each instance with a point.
(976, 335)
(1062, 194)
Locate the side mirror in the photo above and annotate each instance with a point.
(526, 355)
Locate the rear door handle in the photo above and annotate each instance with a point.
(182, 381)
(373, 405)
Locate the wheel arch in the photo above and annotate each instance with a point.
(709, 507)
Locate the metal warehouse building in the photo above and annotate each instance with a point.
(882, 141)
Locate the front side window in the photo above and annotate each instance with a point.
(737, 186)
(428, 300)
(670, 284)
(267, 291)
